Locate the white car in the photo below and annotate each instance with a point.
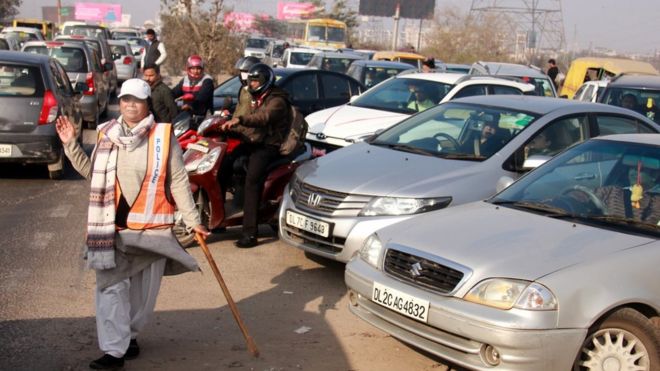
(298, 57)
(393, 100)
(590, 91)
(256, 47)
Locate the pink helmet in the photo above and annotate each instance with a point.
(194, 61)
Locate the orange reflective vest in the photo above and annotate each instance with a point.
(152, 208)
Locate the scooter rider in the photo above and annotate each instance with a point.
(244, 97)
(268, 117)
(196, 88)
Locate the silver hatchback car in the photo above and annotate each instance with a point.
(451, 154)
(557, 272)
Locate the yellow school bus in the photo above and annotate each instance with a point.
(318, 33)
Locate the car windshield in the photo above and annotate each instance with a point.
(375, 75)
(123, 34)
(602, 182)
(643, 101)
(403, 95)
(228, 88)
(90, 31)
(20, 81)
(72, 59)
(456, 131)
(336, 64)
(135, 41)
(336, 34)
(301, 57)
(257, 43)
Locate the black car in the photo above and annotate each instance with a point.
(34, 91)
(640, 93)
(309, 90)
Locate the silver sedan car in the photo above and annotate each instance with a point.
(557, 272)
(454, 153)
(126, 64)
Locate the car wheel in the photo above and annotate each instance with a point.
(625, 340)
(187, 238)
(56, 169)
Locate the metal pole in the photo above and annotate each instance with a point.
(419, 36)
(59, 14)
(395, 34)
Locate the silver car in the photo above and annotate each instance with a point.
(454, 153)
(557, 272)
(126, 63)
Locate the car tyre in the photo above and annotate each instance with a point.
(56, 169)
(626, 338)
(187, 238)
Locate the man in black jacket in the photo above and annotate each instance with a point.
(161, 103)
(269, 117)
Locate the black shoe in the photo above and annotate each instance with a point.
(107, 362)
(133, 350)
(246, 242)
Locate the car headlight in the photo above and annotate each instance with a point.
(403, 206)
(181, 127)
(205, 164)
(370, 250)
(205, 125)
(504, 293)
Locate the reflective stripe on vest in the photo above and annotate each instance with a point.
(187, 88)
(152, 208)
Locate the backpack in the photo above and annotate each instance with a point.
(295, 136)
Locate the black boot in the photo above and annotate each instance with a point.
(107, 362)
(133, 350)
(246, 242)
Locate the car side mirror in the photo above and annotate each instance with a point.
(534, 161)
(503, 183)
(108, 66)
(80, 87)
(116, 56)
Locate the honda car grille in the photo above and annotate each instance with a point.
(321, 201)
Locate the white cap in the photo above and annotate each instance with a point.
(135, 87)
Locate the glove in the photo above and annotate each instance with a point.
(188, 97)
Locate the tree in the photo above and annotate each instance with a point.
(460, 38)
(196, 27)
(270, 27)
(341, 12)
(8, 9)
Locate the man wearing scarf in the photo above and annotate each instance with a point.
(137, 176)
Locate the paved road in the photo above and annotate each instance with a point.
(46, 298)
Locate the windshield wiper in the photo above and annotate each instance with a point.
(552, 211)
(619, 220)
(407, 148)
(460, 156)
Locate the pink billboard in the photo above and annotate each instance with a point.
(242, 22)
(98, 12)
(289, 10)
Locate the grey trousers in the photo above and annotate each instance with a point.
(123, 309)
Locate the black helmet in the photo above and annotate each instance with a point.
(262, 73)
(245, 63)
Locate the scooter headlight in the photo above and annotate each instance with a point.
(205, 164)
(205, 125)
(181, 127)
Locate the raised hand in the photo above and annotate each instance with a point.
(65, 129)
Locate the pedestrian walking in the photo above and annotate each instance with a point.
(137, 176)
(161, 103)
(154, 52)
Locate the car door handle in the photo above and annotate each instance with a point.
(585, 176)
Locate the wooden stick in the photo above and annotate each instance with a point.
(252, 346)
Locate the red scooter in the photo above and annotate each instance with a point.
(202, 161)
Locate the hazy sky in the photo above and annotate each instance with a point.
(626, 26)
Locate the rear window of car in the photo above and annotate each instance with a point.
(20, 81)
(72, 59)
(118, 49)
(4, 45)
